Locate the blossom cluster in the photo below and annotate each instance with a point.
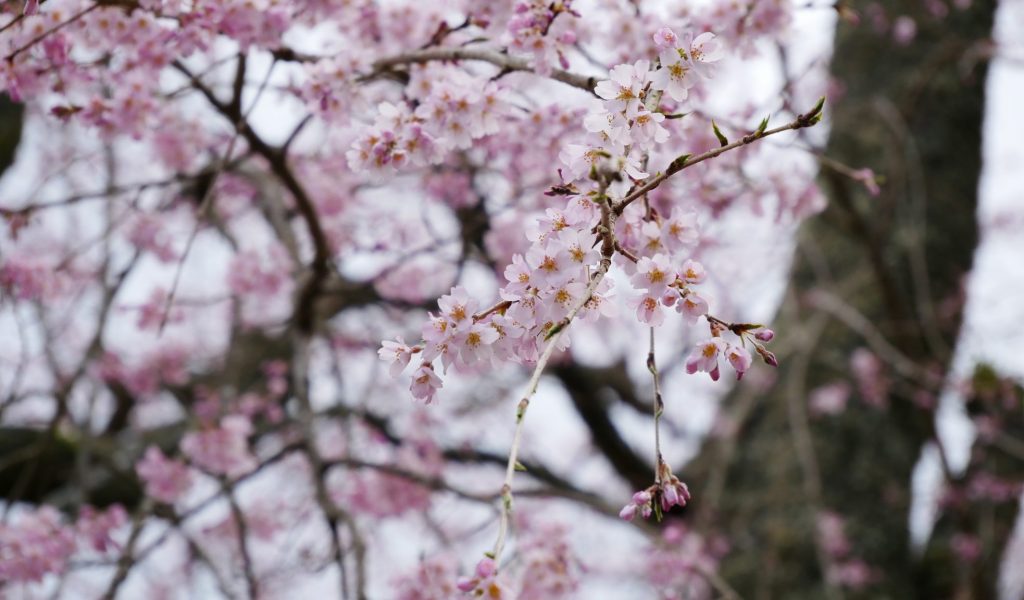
(554, 275)
(678, 564)
(222, 449)
(707, 352)
(452, 110)
(658, 498)
(625, 129)
(33, 545)
(165, 479)
(536, 30)
(38, 542)
(543, 287)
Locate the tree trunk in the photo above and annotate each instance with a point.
(882, 273)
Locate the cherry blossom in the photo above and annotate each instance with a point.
(654, 274)
(705, 357)
(624, 90)
(425, 383)
(739, 358)
(396, 353)
(222, 449)
(34, 544)
(166, 480)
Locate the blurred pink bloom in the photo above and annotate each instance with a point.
(222, 450)
(165, 479)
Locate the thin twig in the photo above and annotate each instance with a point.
(242, 530)
(555, 334)
(206, 202)
(10, 57)
(659, 408)
(127, 559)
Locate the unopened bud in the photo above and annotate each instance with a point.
(485, 568)
(768, 356)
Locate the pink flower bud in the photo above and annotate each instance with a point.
(739, 358)
(466, 584)
(628, 512)
(765, 335)
(669, 497)
(684, 493)
(485, 568)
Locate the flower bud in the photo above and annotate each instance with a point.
(485, 568)
(669, 497)
(768, 357)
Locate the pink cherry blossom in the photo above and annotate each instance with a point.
(647, 128)
(34, 544)
(654, 274)
(693, 273)
(397, 353)
(693, 306)
(551, 264)
(739, 358)
(705, 49)
(96, 527)
(425, 383)
(475, 344)
(165, 480)
(675, 76)
(705, 357)
(582, 158)
(458, 307)
(680, 230)
(222, 449)
(648, 309)
(623, 90)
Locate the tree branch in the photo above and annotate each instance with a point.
(506, 62)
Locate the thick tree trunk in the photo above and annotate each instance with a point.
(881, 273)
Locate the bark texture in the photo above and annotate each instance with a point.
(882, 274)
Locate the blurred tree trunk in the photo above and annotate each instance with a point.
(883, 273)
(11, 116)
